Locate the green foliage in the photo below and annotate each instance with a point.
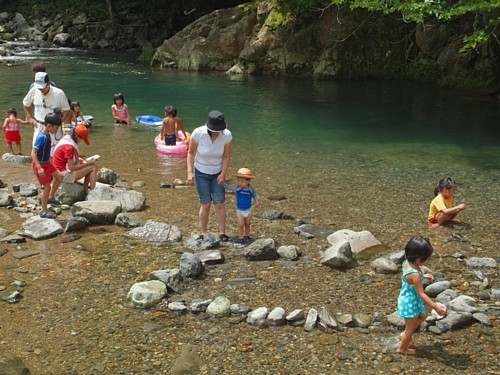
(95, 9)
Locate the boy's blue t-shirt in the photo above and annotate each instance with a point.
(42, 145)
(243, 196)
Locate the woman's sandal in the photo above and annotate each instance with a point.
(46, 214)
(223, 238)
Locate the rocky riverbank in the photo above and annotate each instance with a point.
(336, 43)
(74, 317)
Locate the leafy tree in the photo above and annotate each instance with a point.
(486, 13)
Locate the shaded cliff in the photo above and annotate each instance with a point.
(336, 43)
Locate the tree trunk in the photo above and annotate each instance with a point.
(111, 9)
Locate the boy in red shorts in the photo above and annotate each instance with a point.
(43, 167)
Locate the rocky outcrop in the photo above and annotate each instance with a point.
(336, 43)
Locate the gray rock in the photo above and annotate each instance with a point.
(107, 176)
(482, 318)
(305, 235)
(13, 297)
(18, 159)
(209, 241)
(495, 293)
(14, 238)
(257, 315)
(24, 254)
(346, 319)
(454, 320)
(261, 249)
(199, 305)
(5, 198)
(219, 307)
(326, 321)
(384, 266)
(178, 307)
(40, 229)
(339, 256)
(76, 223)
(395, 320)
(237, 309)
(295, 315)
(478, 275)
(481, 263)
(130, 200)
(276, 317)
(446, 296)
(147, 294)
(361, 242)
(122, 220)
(62, 39)
(190, 265)
(312, 318)
(210, 256)
(27, 190)
(290, 252)
(311, 230)
(362, 320)
(138, 184)
(463, 304)
(188, 361)
(432, 290)
(69, 194)
(397, 257)
(483, 295)
(275, 215)
(97, 212)
(153, 231)
(173, 279)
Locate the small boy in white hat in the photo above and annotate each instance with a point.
(244, 194)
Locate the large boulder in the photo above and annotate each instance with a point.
(339, 256)
(97, 212)
(39, 228)
(153, 231)
(147, 294)
(130, 200)
(70, 193)
(213, 42)
(363, 244)
(261, 249)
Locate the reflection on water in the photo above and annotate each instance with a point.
(360, 155)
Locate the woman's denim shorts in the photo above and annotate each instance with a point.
(207, 187)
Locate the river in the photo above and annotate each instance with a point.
(362, 155)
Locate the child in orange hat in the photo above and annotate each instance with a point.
(244, 194)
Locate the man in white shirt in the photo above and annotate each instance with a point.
(44, 99)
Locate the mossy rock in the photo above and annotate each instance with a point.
(7, 36)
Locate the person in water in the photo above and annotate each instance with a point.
(76, 112)
(245, 192)
(441, 209)
(120, 111)
(171, 125)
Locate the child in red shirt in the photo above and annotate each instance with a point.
(11, 128)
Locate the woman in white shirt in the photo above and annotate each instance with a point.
(207, 165)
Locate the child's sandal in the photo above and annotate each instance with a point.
(46, 214)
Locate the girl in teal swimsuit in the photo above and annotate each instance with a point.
(412, 297)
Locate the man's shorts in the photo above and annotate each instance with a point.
(170, 139)
(208, 188)
(69, 177)
(48, 169)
